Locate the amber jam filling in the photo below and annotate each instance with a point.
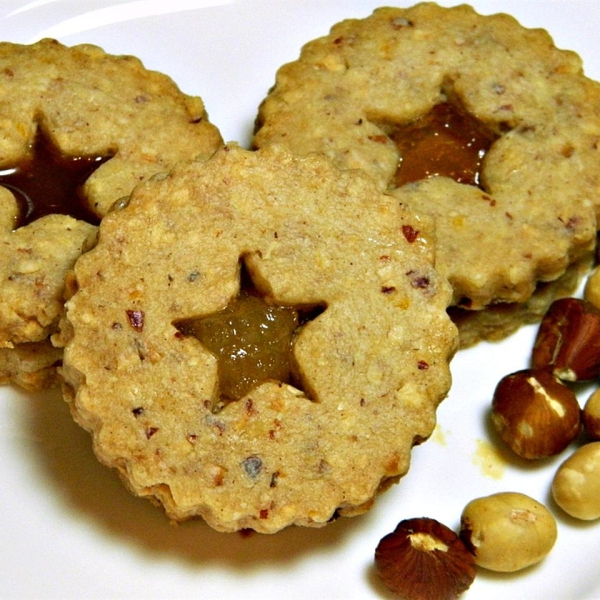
(47, 183)
(251, 339)
(448, 142)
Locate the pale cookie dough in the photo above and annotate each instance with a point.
(535, 212)
(87, 103)
(31, 366)
(497, 322)
(373, 366)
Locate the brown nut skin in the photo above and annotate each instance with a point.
(576, 483)
(591, 416)
(568, 340)
(422, 559)
(508, 531)
(535, 414)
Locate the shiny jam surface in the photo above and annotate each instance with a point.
(448, 141)
(50, 183)
(251, 339)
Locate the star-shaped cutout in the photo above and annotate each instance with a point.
(47, 182)
(252, 340)
(448, 141)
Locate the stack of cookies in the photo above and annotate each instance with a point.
(78, 104)
(260, 336)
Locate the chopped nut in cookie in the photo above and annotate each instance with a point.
(306, 417)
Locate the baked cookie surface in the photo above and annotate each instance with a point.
(532, 211)
(499, 321)
(32, 366)
(368, 370)
(83, 103)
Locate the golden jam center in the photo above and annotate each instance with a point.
(251, 339)
(447, 142)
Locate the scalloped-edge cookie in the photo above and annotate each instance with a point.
(534, 212)
(86, 103)
(31, 366)
(371, 368)
(497, 322)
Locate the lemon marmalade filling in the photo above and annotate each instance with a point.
(252, 340)
(447, 141)
(47, 182)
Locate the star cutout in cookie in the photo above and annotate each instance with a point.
(252, 340)
(47, 182)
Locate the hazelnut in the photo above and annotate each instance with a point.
(591, 416)
(568, 340)
(508, 531)
(424, 560)
(535, 414)
(591, 291)
(576, 483)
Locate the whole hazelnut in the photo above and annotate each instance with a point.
(422, 559)
(568, 340)
(535, 414)
(507, 531)
(591, 416)
(576, 483)
(591, 291)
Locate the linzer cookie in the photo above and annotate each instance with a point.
(475, 120)
(268, 350)
(79, 129)
(499, 321)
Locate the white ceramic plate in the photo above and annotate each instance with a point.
(70, 530)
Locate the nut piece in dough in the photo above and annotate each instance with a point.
(508, 531)
(84, 103)
(371, 368)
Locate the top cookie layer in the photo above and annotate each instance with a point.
(535, 212)
(86, 103)
(373, 366)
